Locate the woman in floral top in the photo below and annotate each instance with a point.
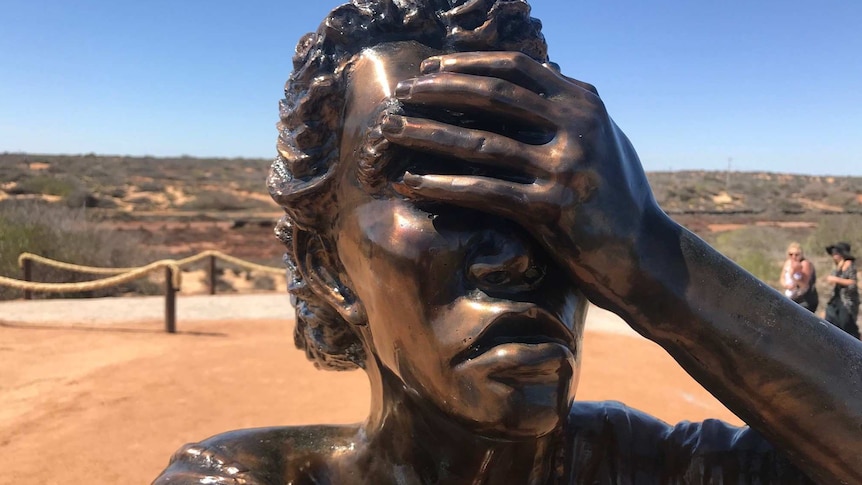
(843, 307)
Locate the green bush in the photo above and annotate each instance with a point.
(65, 234)
(151, 186)
(84, 198)
(832, 228)
(760, 250)
(47, 185)
(840, 199)
(213, 200)
(264, 282)
(761, 266)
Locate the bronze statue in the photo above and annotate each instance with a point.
(452, 201)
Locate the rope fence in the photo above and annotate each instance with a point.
(118, 276)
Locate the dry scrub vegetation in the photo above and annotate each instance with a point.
(127, 184)
(768, 194)
(65, 234)
(750, 217)
(128, 211)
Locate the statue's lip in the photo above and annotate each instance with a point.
(532, 326)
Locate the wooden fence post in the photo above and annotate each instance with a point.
(170, 302)
(212, 275)
(27, 269)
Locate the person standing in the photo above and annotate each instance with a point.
(798, 278)
(843, 306)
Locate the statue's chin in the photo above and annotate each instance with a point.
(524, 432)
(527, 423)
(515, 393)
(525, 413)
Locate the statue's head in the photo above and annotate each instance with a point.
(462, 307)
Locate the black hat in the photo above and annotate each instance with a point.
(841, 248)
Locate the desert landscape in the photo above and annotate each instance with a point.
(177, 207)
(108, 401)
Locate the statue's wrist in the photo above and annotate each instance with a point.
(658, 277)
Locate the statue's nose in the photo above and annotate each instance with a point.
(510, 267)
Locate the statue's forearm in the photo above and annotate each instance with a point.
(784, 371)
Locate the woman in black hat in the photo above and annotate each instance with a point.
(843, 307)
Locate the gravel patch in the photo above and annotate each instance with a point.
(133, 309)
(261, 306)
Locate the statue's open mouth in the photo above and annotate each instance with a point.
(534, 326)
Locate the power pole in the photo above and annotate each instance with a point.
(727, 175)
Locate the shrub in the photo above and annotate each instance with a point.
(117, 192)
(760, 265)
(10, 171)
(264, 282)
(85, 199)
(832, 228)
(217, 201)
(151, 186)
(840, 199)
(46, 184)
(760, 250)
(65, 234)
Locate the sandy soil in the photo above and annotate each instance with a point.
(104, 404)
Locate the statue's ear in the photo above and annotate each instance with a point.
(318, 264)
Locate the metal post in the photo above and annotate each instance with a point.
(212, 275)
(170, 302)
(27, 268)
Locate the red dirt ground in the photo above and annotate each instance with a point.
(108, 405)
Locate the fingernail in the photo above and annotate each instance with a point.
(432, 64)
(379, 146)
(392, 124)
(403, 89)
(411, 180)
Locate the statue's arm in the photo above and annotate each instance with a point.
(202, 463)
(795, 378)
(582, 194)
(260, 456)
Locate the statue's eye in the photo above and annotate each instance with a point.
(496, 278)
(534, 274)
(509, 267)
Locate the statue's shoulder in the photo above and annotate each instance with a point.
(258, 455)
(610, 441)
(603, 421)
(611, 425)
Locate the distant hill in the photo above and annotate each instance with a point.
(771, 194)
(130, 186)
(185, 205)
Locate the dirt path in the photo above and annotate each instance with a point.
(107, 404)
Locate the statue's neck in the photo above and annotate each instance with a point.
(416, 443)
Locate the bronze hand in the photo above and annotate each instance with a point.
(573, 180)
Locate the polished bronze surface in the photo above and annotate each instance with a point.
(452, 201)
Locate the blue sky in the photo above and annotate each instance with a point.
(764, 85)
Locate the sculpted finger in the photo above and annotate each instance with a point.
(585, 86)
(481, 147)
(515, 67)
(484, 194)
(476, 94)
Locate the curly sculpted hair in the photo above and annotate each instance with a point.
(311, 118)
